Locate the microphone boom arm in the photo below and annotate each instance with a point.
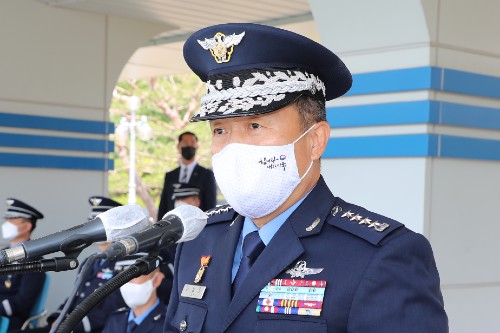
(44, 265)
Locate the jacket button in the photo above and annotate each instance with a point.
(183, 326)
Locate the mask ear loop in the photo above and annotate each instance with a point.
(300, 137)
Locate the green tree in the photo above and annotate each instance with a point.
(168, 102)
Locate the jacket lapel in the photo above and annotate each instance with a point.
(285, 247)
(222, 257)
(267, 266)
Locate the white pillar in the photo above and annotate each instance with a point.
(417, 138)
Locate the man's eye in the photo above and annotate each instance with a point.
(218, 131)
(255, 125)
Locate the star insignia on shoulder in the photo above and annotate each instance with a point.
(354, 217)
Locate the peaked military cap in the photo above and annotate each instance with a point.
(184, 191)
(17, 208)
(252, 69)
(101, 204)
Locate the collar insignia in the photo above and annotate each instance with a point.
(221, 46)
(314, 224)
(301, 270)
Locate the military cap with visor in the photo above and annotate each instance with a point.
(252, 69)
(17, 208)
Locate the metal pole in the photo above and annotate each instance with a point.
(131, 174)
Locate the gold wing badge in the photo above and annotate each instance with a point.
(221, 46)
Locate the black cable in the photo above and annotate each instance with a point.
(79, 280)
(142, 266)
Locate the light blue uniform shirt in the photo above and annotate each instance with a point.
(266, 233)
(140, 319)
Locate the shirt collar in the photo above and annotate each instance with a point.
(268, 231)
(140, 319)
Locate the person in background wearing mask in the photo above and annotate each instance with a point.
(286, 255)
(18, 292)
(145, 312)
(186, 195)
(100, 273)
(189, 172)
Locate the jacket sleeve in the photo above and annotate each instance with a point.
(164, 198)
(174, 295)
(210, 191)
(400, 291)
(20, 303)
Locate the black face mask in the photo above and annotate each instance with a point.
(188, 152)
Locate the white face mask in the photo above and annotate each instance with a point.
(256, 180)
(137, 294)
(179, 203)
(9, 230)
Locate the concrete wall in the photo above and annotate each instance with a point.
(62, 66)
(418, 136)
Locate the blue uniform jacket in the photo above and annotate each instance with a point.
(17, 294)
(117, 323)
(380, 277)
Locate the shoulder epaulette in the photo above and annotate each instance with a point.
(220, 214)
(362, 223)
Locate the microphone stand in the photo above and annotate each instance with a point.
(142, 266)
(44, 265)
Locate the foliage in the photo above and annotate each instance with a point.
(168, 102)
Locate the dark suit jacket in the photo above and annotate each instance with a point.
(201, 177)
(376, 281)
(153, 323)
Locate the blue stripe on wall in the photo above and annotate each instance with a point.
(57, 162)
(471, 83)
(53, 142)
(382, 146)
(478, 149)
(413, 145)
(415, 112)
(56, 124)
(425, 78)
(408, 79)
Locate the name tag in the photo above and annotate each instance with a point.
(192, 291)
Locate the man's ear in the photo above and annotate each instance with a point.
(158, 278)
(320, 136)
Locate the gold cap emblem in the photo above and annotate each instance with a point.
(221, 46)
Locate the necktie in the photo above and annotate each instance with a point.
(184, 175)
(131, 326)
(252, 247)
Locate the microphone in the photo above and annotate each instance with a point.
(108, 226)
(181, 224)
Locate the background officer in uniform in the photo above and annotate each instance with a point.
(18, 292)
(189, 172)
(287, 255)
(186, 195)
(144, 312)
(100, 273)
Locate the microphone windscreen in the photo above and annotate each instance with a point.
(121, 221)
(193, 220)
